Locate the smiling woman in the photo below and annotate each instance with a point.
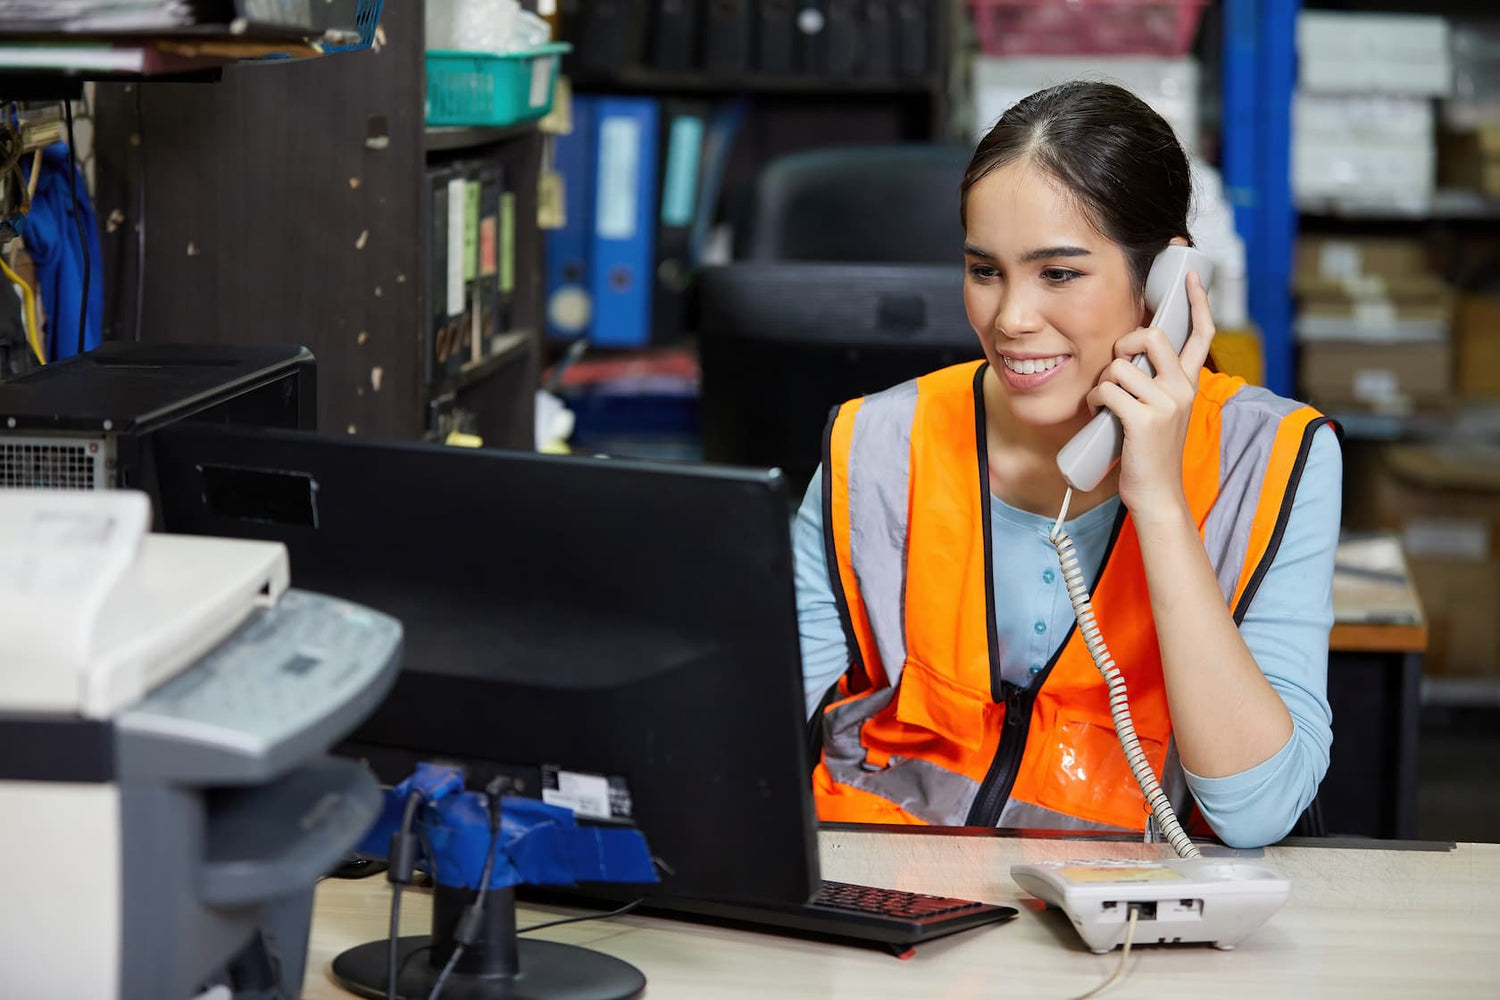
(939, 653)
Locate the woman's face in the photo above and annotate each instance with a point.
(1047, 295)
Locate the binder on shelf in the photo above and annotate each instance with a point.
(494, 299)
(608, 35)
(726, 37)
(442, 337)
(470, 349)
(570, 247)
(843, 44)
(913, 37)
(811, 37)
(674, 47)
(624, 220)
(774, 20)
(879, 38)
(684, 127)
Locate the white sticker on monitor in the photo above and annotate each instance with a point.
(590, 796)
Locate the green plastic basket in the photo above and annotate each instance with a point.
(480, 89)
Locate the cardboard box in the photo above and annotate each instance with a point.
(1337, 260)
(1476, 345)
(1343, 52)
(1470, 159)
(1388, 377)
(1363, 151)
(1445, 501)
(1459, 599)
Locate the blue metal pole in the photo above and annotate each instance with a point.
(1259, 72)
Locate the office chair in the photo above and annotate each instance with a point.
(892, 203)
(848, 279)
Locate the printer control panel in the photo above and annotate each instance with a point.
(300, 673)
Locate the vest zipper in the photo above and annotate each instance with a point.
(994, 791)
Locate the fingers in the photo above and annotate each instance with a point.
(1137, 383)
(1195, 351)
(1109, 396)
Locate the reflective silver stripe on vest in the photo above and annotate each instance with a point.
(931, 793)
(879, 478)
(1251, 419)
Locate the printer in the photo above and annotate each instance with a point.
(166, 704)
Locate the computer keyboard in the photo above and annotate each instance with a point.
(842, 912)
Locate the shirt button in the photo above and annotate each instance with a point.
(1040, 627)
(1034, 669)
(1048, 576)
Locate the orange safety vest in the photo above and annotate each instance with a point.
(926, 730)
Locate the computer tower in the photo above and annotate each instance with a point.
(85, 423)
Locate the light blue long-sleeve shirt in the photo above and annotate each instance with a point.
(1286, 629)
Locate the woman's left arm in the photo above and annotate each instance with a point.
(1226, 716)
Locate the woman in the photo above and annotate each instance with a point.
(938, 640)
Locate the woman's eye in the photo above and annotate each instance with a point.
(983, 272)
(1058, 275)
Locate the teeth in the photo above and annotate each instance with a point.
(1030, 366)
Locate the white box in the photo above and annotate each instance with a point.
(1339, 52)
(1169, 86)
(1363, 152)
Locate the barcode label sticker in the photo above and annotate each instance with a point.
(1339, 261)
(590, 796)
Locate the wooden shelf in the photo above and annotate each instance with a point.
(511, 347)
(444, 139)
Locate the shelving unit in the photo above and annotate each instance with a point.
(282, 204)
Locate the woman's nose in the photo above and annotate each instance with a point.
(1017, 315)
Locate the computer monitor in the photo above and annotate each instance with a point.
(783, 342)
(596, 616)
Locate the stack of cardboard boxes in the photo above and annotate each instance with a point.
(1362, 117)
(1373, 324)
(1444, 500)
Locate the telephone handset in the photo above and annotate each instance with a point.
(1084, 462)
(1093, 451)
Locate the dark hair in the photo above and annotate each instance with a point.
(1119, 158)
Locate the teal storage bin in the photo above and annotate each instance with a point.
(484, 90)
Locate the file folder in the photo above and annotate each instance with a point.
(675, 36)
(444, 342)
(569, 248)
(684, 128)
(494, 300)
(726, 37)
(774, 29)
(879, 38)
(609, 35)
(624, 220)
(844, 22)
(913, 37)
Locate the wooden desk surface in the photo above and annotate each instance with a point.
(1360, 923)
(1375, 606)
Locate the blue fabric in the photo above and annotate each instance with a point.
(1286, 629)
(51, 238)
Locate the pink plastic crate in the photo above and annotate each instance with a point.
(1086, 27)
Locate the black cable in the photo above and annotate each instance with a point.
(470, 922)
(83, 312)
(578, 920)
(403, 860)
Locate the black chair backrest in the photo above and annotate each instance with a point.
(892, 203)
